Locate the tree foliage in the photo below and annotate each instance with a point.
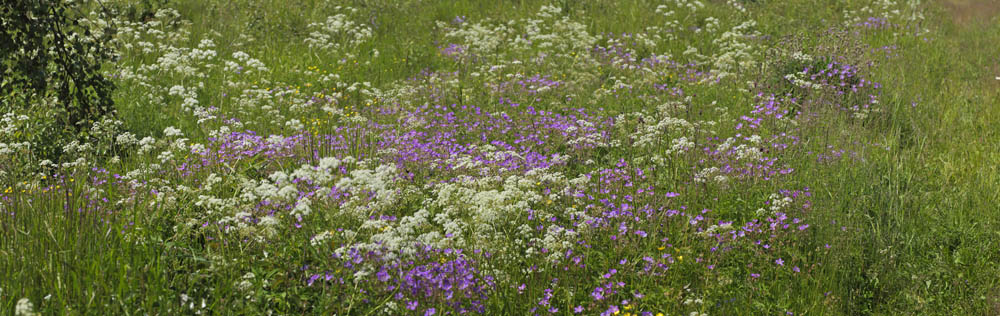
(50, 49)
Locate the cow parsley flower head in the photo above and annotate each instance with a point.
(24, 308)
(172, 131)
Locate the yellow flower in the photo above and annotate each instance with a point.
(659, 314)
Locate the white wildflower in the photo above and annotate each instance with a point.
(25, 308)
(172, 131)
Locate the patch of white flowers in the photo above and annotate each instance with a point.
(339, 34)
(24, 307)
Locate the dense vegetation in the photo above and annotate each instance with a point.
(676, 157)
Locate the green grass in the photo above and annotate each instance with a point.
(911, 222)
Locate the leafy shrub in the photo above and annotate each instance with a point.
(51, 56)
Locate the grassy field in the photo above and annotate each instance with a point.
(681, 157)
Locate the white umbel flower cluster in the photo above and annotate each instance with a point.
(24, 307)
(339, 34)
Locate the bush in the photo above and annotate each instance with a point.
(50, 51)
(46, 51)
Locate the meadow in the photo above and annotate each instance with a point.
(675, 157)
